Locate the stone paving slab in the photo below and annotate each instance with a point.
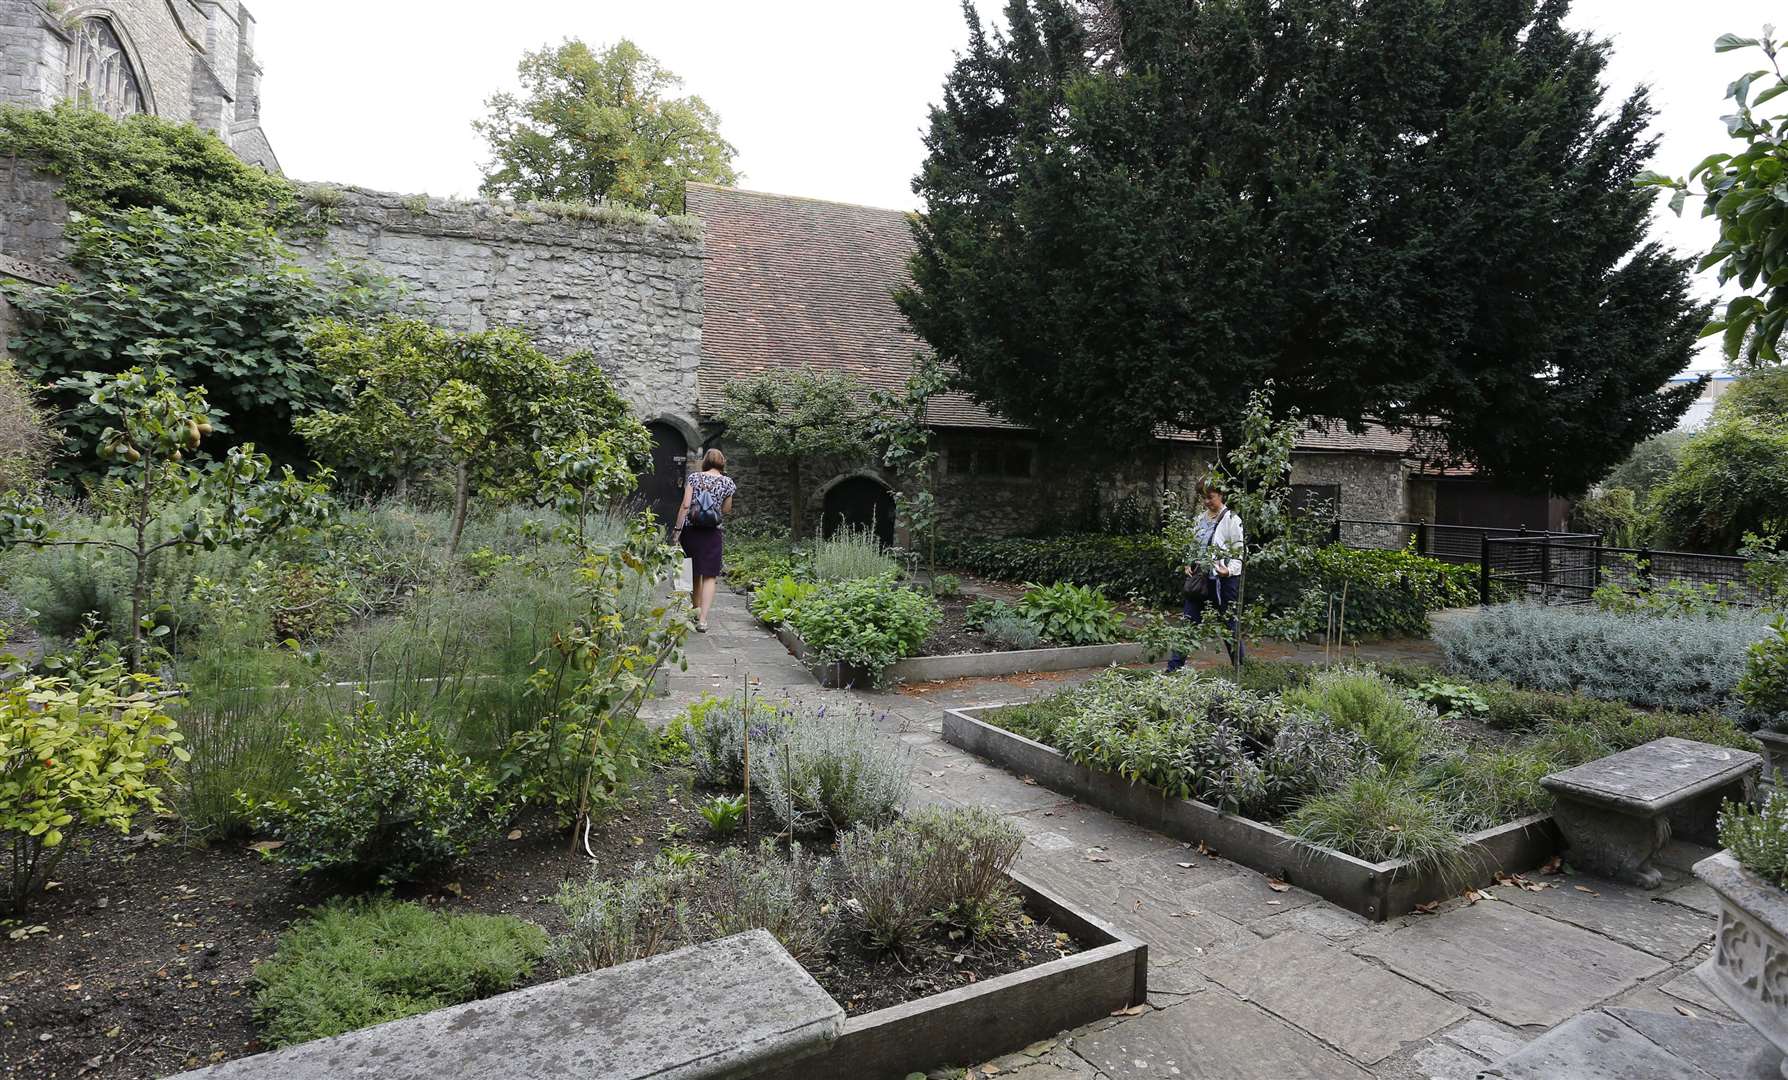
(1366, 1011)
(1509, 963)
(1719, 1048)
(1593, 1046)
(1246, 897)
(1214, 1036)
(1628, 915)
(1444, 1061)
(1689, 989)
(1324, 920)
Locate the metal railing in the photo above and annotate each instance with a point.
(1449, 543)
(1562, 569)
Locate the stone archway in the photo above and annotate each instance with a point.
(859, 502)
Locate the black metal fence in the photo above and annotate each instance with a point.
(1449, 543)
(1565, 569)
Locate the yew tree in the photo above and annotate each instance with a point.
(1420, 213)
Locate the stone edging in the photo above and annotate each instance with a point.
(975, 1023)
(1376, 891)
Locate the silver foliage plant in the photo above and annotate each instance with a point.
(1688, 664)
(615, 922)
(829, 770)
(790, 897)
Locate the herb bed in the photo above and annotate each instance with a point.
(143, 966)
(1376, 891)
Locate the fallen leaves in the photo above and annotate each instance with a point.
(264, 846)
(1185, 866)
(1427, 909)
(1688, 1012)
(1134, 1010)
(1554, 865)
(515, 834)
(1276, 885)
(1182, 914)
(1516, 881)
(1586, 889)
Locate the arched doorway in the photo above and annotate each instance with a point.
(661, 487)
(859, 502)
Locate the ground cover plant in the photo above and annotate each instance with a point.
(1674, 662)
(1381, 764)
(866, 622)
(1758, 837)
(349, 966)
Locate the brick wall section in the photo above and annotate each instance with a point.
(631, 293)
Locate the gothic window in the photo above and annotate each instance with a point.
(99, 73)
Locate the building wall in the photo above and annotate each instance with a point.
(629, 293)
(193, 58)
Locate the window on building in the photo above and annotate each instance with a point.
(1018, 461)
(1321, 499)
(987, 460)
(958, 458)
(100, 75)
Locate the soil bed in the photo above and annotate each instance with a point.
(142, 965)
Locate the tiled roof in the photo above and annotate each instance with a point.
(793, 282)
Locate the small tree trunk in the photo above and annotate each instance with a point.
(794, 499)
(462, 484)
(139, 586)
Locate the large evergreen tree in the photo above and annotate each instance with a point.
(1413, 212)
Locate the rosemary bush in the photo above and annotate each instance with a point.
(829, 771)
(1759, 837)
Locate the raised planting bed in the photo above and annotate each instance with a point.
(962, 665)
(994, 1016)
(1376, 891)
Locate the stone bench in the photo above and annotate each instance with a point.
(736, 1007)
(1618, 812)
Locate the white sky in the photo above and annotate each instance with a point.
(824, 98)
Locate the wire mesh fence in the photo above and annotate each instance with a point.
(1569, 570)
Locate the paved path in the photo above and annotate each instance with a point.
(1246, 982)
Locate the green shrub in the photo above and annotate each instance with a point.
(946, 586)
(716, 729)
(380, 797)
(611, 922)
(1449, 699)
(350, 966)
(1488, 789)
(829, 771)
(1362, 701)
(851, 554)
(1071, 614)
(869, 622)
(1379, 817)
(1759, 837)
(750, 563)
(1010, 631)
(1388, 592)
(723, 814)
(1036, 720)
(976, 613)
(76, 753)
(775, 599)
(1763, 688)
(1268, 676)
(1653, 661)
(936, 867)
(790, 897)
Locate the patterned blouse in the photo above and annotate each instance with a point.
(719, 485)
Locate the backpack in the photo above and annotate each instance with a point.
(704, 508)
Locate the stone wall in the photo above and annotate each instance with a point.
(194, 60)
(625, 290)
(31, 216)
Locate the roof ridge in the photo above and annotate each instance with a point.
(796, 198)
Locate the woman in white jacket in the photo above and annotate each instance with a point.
(1216, 552)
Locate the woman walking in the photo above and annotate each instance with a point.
(1214, 570)
(707, 499)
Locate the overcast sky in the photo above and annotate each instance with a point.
(824, 98)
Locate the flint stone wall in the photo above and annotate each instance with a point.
(628, 292)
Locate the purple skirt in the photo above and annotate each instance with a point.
(702, 545)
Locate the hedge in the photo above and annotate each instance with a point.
(1388, 592)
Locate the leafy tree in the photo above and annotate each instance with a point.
(796, 416)
(1649, 465)
(165, 501)
(902, 435)
(1744, 191)
(597, 126)
(410, 397)
(144, 162)
(221, 306)
(1414, 212)
(1732, 478)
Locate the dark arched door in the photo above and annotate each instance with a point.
(661, 488)
(859, 503)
